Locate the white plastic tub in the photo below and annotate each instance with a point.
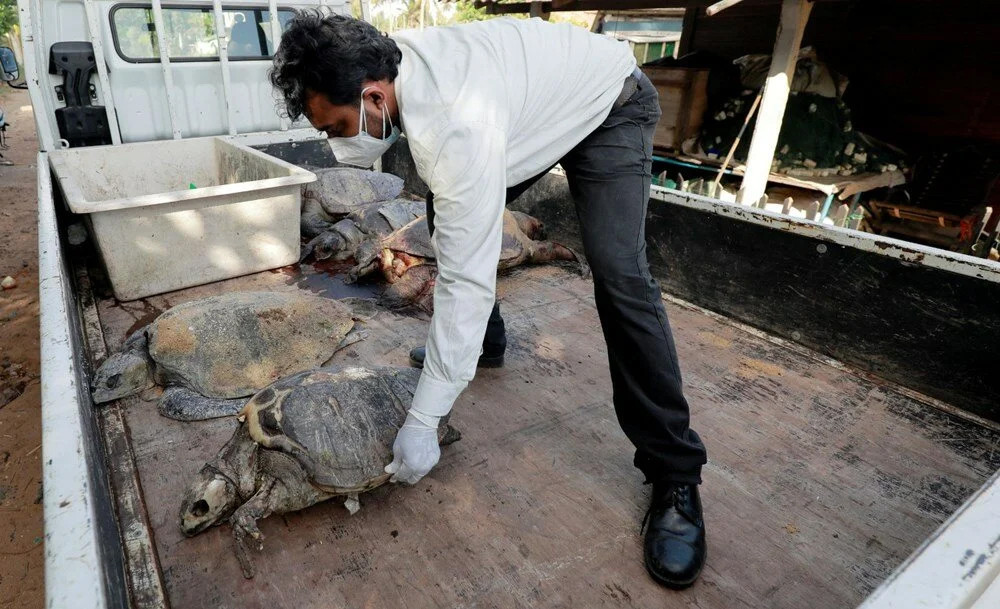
(172, 214)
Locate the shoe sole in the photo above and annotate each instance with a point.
(674, 584)
(484, 362)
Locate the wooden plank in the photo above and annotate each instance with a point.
(958, 567)
(720, 6)
(826, 184)
(794, 16)
(683, 97)
(820, 480)
(504, 8)
(887, 179)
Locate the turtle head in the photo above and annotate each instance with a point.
(121, 375)
(210, 500)
(329, 245)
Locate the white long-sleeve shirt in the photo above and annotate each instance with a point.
(485, 106)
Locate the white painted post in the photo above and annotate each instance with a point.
(794, 15)
(168, 75)
(97, 41)
(36, 79)
(227, 87)
(272, 10)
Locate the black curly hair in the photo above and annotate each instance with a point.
(332, 55)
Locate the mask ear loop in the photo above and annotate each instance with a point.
(385, 115)
(364, 115)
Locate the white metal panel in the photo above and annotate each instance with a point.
(138, 91)
(223, 42)
(93, 25)
(168, 74)
(74, 573)
(33, 61)
(272, 12)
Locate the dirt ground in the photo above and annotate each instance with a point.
(22, 556)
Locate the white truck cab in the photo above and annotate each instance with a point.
(95, 79)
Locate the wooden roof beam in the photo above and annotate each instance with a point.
(720, 6)
(505, 8)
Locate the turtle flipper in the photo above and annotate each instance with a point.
(183, 404)
(547, 251)
(529, 225)
(352, 503)
(355, 335)
(246, 535)
(451, 435)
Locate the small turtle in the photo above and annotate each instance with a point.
(307, 438)
(341, 190)
(397, 255)
(212, 351)
(371, 222)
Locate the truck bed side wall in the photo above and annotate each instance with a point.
(870, 301)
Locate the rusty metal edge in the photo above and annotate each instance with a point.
(912, 253)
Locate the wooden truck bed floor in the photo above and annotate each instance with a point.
(820, 480)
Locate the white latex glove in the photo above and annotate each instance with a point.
(415, 450)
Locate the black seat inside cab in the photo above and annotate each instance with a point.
(80, 123)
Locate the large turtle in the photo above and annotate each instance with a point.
(374, 221)
(211, 352)
(341, 190)
(307, 438)
(406, 256)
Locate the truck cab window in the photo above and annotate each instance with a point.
(191, 32)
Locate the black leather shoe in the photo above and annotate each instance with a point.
(674, 547)
(486, 360)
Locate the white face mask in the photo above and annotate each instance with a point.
(362, 150)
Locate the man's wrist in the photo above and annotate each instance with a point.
(434, 398)
(427, 419)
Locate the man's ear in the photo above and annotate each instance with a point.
(377, 96)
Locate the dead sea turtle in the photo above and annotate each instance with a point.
(374, 221)
(341, 190)
(307, 438)
(397, 255)
(209, 352)
(314, 220)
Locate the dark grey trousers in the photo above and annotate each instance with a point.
(609, 176)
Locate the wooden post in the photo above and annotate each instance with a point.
(794, 15)
(537, 10)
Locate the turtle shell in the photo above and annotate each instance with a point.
(381, 219)
(342, 190)
(415, 240)
(232, 345)
(339, 422)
